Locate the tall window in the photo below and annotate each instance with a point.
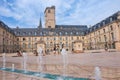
(99, 38)
(60, 38)
(40, 38)
(66, 38)
(67, 44)
(29, 39)
(17, 39)
(105, 38)
(24, 45)
(35, 39)
(99, 32)
(29, 45)
(82, 37)
(23, 39)
(111, 28)
(77, 38)
(104, 30)
(49, 11)
(47, 38)
(35, 45)
(54, 38)
(71, 38)
(112, 36)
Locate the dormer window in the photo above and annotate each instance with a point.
(30, 33)
(24, 33)
(103, 23)
(35, 33)
(77, 33)
(111, 19)
(98, 25)
(18, 33)
(66, 33)
(40, 33)
(94, 27)
(60, 33)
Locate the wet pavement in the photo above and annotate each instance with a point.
(79, 65)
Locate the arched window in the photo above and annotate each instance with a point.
(24, 39)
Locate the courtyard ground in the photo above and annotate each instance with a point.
(79, 65)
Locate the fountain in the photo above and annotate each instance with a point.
(65, 61)
(4, 60)
(97, 73)
(25, 62)
(13, 67)
(40, 61)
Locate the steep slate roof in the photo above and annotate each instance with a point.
(4, 26)
(104, 22)
(49, 31)
(80, 27)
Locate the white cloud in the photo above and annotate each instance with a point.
(27, 12)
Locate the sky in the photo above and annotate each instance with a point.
(27, 13)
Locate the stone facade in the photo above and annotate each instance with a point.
(77, 38)
(8, 42)
(105, 34)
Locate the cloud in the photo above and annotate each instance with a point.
(26, 13)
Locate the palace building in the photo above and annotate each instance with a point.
(76, 38)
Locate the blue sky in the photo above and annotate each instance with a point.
(26, 13)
